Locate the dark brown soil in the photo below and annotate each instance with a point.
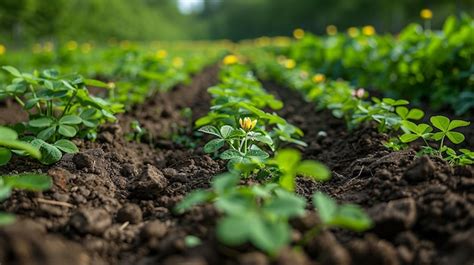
(112, 202)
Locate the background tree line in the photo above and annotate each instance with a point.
(23, 21)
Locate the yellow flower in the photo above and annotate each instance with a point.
(111, 85)
(71, 45)
(161, 54)
(86, 47)
(368, 30)
(331, 30)
(247, 124)
(426, 14)
(319, 78)
(353, 32)
(178, 62)
(2, 49)
(230, 59)
(290, 64)
(298, 33)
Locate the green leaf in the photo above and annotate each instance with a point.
(192, 241)
(258, 153)
(415, 114)
(269, 236)
(12, 70)
(47, 133)
(313, 169)
(5, 156)
(408, 137)
(402, 112)
(5, 191)
(234, 230)
(209, 129)
(7, 134)
(458, 123)
(224, 182)
(351, 217)
(67, 130)
(192, 199)
(70, 120)
(230, 154)
(50, 154)
(226, 131)
(440, 122)
(29, 181)
(214, 145)
(286, 205)
(6, 219)
(455, 137)
(66, 146)
(326, 207)
(41, 122)
(288, 159)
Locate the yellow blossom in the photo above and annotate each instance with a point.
(111, 85)
(331, 30)
(368, 30)
(298, 33)
(290, 64)
(230, 59)
(426, 14)
(2, 49)
(353, 32)
(318, 78)
(71, 45)
(247, 124)
(178, 62)
(161, 54)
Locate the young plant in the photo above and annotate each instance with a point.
(289, 165)
(334, 215)
(59, 108)
(446, 130)
(27, 181)
(10, 144)
(242, 142)
(258, 214)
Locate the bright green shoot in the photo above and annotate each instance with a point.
(10, 144)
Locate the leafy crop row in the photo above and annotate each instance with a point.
(418, 64)
(252, 140)
(350, 103)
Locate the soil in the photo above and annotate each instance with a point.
(112, 202)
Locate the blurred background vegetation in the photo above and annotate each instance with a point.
(26, 21)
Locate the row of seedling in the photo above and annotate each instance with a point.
(253, 142)
(352, 104)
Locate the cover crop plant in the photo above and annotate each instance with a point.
(59, 108)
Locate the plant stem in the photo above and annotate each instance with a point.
(68, 104)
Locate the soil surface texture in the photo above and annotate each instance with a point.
(111, 203)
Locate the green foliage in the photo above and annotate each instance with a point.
(290, 166)
(59, 107)
(446, 130)
(26, 181)
(347, 216)
(9, 144)
(258, 214)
